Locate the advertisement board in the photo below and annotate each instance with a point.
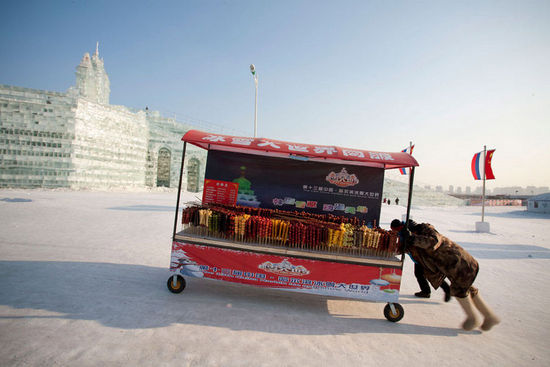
(368, 282)
(300, 185)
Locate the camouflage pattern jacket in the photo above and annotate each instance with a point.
(442, 258)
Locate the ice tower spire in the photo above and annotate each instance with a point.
(92, 81)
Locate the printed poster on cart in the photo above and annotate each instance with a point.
(369, 282)
(298, 185)
(219, 192)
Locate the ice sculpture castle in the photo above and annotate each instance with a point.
(78, 140)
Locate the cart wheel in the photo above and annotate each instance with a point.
(394, 316)
(178, 287)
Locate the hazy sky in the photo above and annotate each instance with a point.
(451, 76)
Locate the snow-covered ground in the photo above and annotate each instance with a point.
(83, 283)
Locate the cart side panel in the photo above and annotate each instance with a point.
(367, 282)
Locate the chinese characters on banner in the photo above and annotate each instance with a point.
(290, 148)
(362, 281)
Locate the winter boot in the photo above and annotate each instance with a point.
(468, 307)
(490, 318)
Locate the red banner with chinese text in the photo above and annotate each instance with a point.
(369, 282)
(210, 141)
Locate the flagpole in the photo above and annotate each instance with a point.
(255, 76)
(410, 152)
(483, 195)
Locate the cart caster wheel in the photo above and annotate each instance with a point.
(394, 316)
(178, 286)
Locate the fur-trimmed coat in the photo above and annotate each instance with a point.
(442, 258)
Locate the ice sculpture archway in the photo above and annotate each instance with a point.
(193, 173)
(163, 167)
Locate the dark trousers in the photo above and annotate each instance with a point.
(423, 283)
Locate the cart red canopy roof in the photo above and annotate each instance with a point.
(277, 148)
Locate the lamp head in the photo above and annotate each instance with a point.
(252, 69)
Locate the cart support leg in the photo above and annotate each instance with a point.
(411, 184)
(174, 280)
(179, 191)
(392, 308)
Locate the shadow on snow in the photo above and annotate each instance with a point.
(514, 214)
(492, 251)
(136, 297)
(16, 200)
(145, 208)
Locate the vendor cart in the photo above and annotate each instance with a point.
(291, 216)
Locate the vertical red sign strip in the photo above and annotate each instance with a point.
(220, 192)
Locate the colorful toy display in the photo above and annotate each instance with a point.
(326, 233)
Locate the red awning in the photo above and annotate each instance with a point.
(277, 148)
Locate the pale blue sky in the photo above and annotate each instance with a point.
(451, 76)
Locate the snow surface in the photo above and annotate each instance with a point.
(83, 282)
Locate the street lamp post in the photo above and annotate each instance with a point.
(253, 71)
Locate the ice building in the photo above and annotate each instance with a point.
(78, 140)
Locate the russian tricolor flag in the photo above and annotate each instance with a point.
(476, 171)
(478, 165)
(409, 150)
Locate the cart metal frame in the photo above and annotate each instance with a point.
(393, 311)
